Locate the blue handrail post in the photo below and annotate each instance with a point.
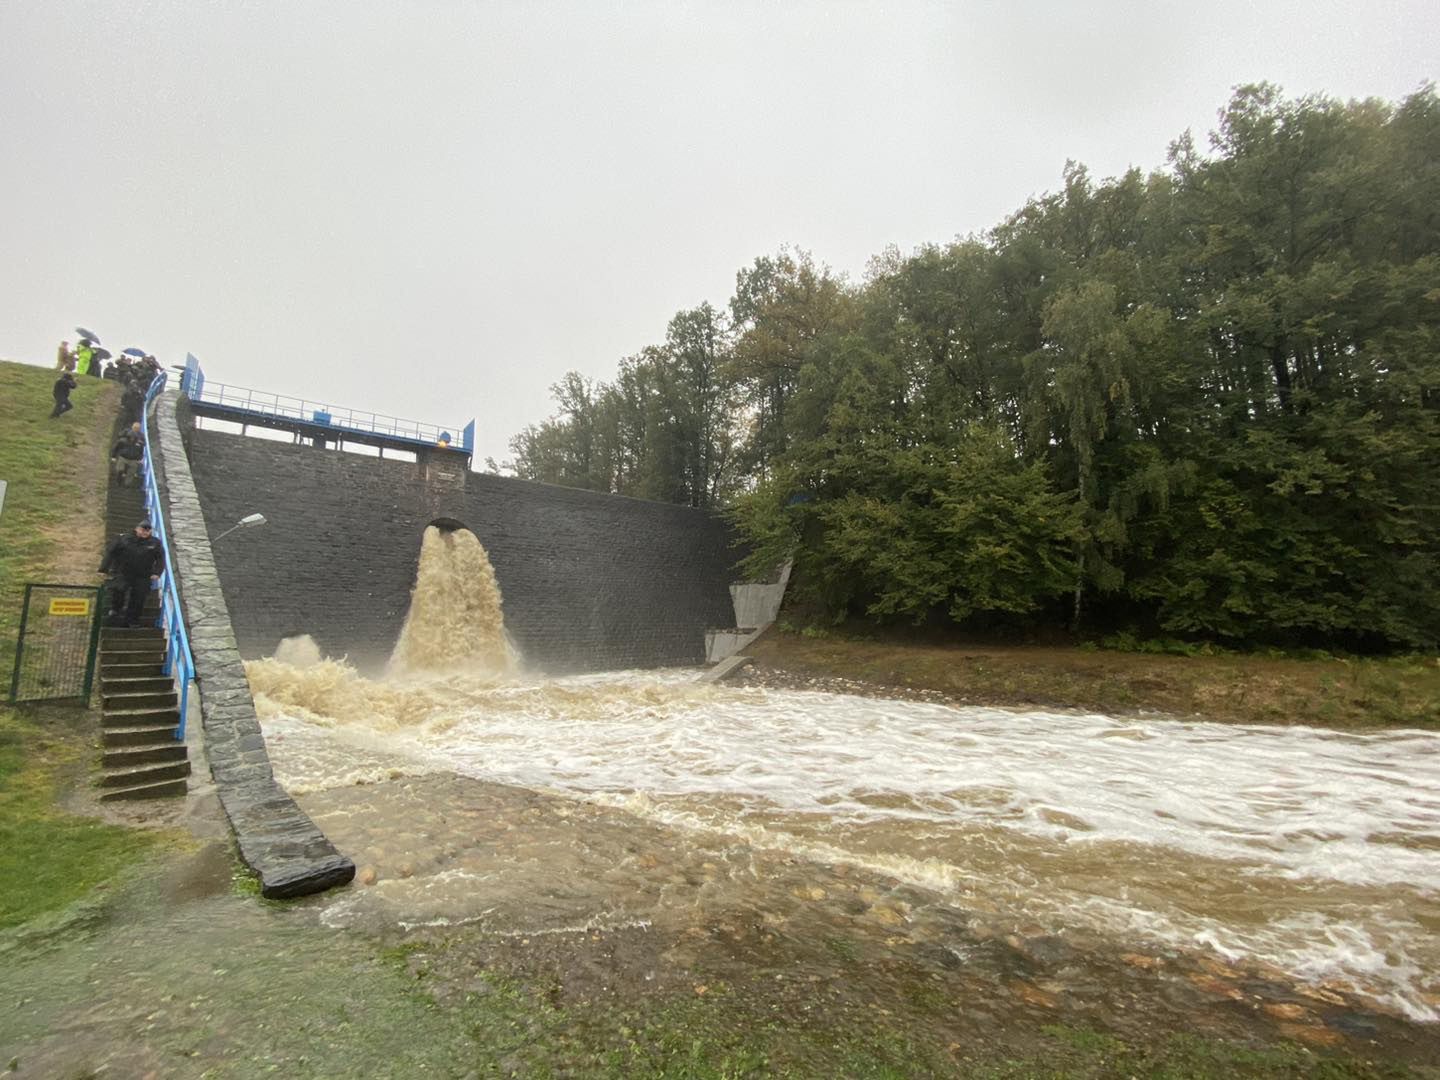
(192, 379)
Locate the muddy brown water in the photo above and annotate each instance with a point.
(964, 875)
(1302, 856)
(611, 837)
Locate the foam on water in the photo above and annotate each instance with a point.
(1309, 849)
(1313, 850)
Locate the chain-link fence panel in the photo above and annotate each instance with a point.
(59, 637)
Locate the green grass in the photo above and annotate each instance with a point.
(1328, 691)
(723, 1036)
(50, 467)
(48, 859)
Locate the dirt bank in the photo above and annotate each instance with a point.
(1337, 693)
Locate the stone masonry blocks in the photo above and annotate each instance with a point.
(590, 581)
(275, 837)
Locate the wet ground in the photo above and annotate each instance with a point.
(633, 876)
(561, 960)
(604, 906)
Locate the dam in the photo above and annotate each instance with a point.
(593, 581)
(515, 771)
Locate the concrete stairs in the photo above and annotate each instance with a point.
(141, 759)
(124, 509)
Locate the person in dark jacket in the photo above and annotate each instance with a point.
(61, 393)
(132, 402)
(125, 456)
(136, 560)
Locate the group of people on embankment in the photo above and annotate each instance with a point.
(135, 560)
(88, 359)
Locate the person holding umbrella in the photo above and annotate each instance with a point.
(85, 351)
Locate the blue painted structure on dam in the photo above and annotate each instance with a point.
(590, 581)
(320, 422)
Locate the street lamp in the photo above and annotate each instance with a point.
(249, 521)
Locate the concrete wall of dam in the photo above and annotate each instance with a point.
(590, 581)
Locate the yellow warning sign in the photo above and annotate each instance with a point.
(69, 607)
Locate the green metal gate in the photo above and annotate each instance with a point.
(59, 635)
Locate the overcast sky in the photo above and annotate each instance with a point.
(435, 209)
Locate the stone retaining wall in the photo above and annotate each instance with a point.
(276, 838)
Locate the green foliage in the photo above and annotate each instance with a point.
(663, 430)
(1200, 404)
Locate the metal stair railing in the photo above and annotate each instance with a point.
(179, 663)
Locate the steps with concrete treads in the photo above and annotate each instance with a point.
(141, 758)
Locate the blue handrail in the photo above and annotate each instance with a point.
(243, 402)
(179, 663)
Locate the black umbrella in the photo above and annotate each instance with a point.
(86, 335)
(100, 354)
(134, 352)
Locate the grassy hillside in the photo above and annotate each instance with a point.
(52, 525)
(51, 529)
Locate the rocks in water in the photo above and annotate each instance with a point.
(1033, 995)
(888, 914)
(1144, 963)
(1312, 1036)
(1287, 1011)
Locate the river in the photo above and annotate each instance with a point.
(1313, 852)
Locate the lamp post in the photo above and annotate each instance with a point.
(249, 521)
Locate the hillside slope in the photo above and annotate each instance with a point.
(52, 524)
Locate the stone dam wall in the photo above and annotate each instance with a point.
(276, 838)
(590, 581)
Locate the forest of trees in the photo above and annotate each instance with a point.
(1201, 403)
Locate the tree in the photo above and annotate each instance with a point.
(1201, 401)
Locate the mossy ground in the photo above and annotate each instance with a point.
(729, 1034)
